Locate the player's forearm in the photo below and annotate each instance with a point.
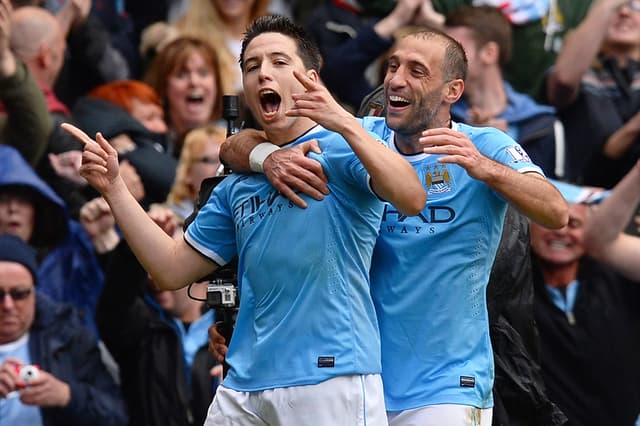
(151, 245)
(235, 151)
(392, 177)
(531, 194)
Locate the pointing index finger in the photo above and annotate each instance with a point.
(77, 133)
(86, 139)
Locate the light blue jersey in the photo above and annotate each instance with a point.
(306, 313)
(429, 277)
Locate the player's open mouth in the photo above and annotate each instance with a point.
(269, 101)
(398, 101)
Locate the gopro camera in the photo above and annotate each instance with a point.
(222, 294)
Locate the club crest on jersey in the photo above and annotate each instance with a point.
(437, 179)
(518, 154)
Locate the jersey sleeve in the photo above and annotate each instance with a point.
(500, 147)
(342, 164)
(212, 233)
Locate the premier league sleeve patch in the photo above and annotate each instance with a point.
(518, 154)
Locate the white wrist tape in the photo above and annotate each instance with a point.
(259, 154)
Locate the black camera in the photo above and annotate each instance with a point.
(222, 289)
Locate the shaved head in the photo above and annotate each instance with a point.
(31, 28)
(38, 41)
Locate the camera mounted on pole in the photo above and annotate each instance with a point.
(222, 288)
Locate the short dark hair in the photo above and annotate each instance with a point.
(306, 47)
(487, 24)
(454, 63)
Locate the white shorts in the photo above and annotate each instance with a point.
(442, 415)
(355, 400)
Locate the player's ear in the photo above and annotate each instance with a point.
(313, 75)
(453, 91)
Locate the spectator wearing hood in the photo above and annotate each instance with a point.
(68, 270)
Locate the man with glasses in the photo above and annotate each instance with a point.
(50, 367)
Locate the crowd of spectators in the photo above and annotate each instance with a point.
(561, 77)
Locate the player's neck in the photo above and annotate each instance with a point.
(282, 135)
(408, 144)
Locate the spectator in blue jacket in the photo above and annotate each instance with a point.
(68, 270)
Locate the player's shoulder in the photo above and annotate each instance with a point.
(474, 132)
(372, 123)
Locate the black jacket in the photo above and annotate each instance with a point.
(147, 348)
(591, 367)
(519, 393)
(156, 167)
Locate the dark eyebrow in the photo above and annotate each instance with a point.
(275, 54)
(271, 55)
(410, 63)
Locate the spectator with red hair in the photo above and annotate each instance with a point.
(129, 113)
(136, 97)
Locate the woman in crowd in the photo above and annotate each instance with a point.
(187, 75)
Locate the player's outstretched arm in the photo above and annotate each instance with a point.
(173, 264)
